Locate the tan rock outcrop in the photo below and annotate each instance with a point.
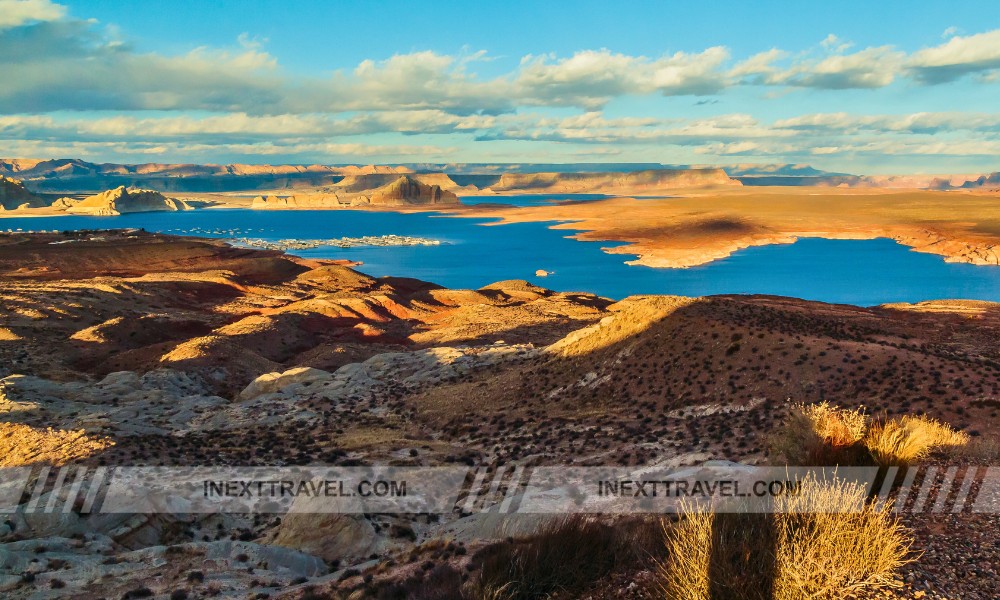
(403, 190)
(122, 200)
(407, 190)
(649, 182)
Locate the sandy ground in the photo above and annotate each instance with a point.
(702, 226)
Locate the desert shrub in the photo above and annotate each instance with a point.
(311, 593)
(443, 582)
(566, 557)
(718, 555)
(980, 449)
(903, 441)
(833, 541)
(821, 434)
(826, 542)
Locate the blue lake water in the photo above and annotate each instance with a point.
(847, 271)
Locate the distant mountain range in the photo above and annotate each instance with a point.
(75, 176)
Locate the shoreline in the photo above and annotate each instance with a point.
(687, 231)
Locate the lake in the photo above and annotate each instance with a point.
(864, 273)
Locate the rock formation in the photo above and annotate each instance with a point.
(122, 200)
(405, 190)
(991, 181)
(401, 190)
(651, 182)
(13, 195)
(65, 175)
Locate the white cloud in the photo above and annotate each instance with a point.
(590, 78)
(14, 13)
(916, 123)
(312, 137)
(957, 57)
(868, 68)
(126, 151)
(62, 78)
(54, 62)
(835, 44)
(759, 67)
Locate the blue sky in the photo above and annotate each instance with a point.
(874, 87)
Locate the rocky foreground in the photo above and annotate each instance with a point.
(129, 348)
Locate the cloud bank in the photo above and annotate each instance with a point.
(72, 84)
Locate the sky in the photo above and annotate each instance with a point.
(858, 87)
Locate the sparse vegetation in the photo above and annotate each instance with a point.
(906, 440)
(826, 542)
(567, 556)
(821, 434)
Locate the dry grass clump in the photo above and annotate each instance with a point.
(835, 542)
(904, 441)
(821, 434)
(824, 543)
(567, 556)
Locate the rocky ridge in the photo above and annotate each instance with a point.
(13, 195)
(122, 200)
(401, 191)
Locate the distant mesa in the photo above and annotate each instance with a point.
(13, 195)
(399, 191)
(775, 169)
(803, 175)
(75, 175)
(407, 190)
(72, 175)
(649, 182)
(991, 182)
(119, 201)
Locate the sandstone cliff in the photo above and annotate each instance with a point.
(657, 181)
(13, 195)
(406, 190)
(402, 190)
(122, 200)
(364, 182)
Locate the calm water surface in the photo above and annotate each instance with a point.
(846, 271)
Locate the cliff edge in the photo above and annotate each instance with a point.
(122, 200)
(650, 182)
(401, 191)
(13, 195)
